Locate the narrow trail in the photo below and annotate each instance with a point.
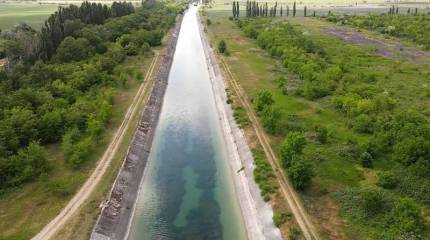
(308, 229)
(90, 184)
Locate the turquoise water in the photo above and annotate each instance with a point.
(187, 191)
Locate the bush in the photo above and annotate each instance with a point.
(321, 133)
(270, 119)
(292, 148)
(281, 218)
(60, 188)
(406, 218)
(366, 160)
(262, 100)
(387, 180)
(222, 47)
(294, 233)
(301, 173)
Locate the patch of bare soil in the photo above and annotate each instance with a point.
(384, 48)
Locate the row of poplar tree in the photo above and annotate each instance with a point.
(255, 9)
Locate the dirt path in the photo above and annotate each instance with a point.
(294, 203)
(90, 184)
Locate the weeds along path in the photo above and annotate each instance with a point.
(294, 203)
(90, 184)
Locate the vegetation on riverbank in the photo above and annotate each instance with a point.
(66, 108)
(347, 101)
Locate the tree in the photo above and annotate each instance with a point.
(29, 163)
(301, 173)
(262, 100)
(292, 148)
(72, 49)
(270, 118)
(294, 9)
(51, 126)
(366, 160)
(222, 47)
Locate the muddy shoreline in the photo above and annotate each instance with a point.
(113, 222)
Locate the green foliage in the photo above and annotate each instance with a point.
(59, 188)
(263, 174)
(385, 216)
(294, 233)
(301, 173)
(387, 180)
(406, 219)
(222, 47)
(26, 165)
(68, 99)
(270, 118)
(241, 117)
(72, 49)
(321, 133)
(281, 218)
(366, 160)
(292, 148)
(262, 100)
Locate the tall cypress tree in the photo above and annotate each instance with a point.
(288, 10)
(274, 9)
(304, 12)
(280, 11)
(294, 9)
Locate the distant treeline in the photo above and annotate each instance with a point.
(62, 93)
(63, 22)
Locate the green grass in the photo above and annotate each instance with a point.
(31, 13)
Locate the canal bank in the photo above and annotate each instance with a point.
(257, 214)
(188, 191)
(116, 213)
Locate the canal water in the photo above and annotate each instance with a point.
(187, 191)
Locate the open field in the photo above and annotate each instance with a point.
(336, 6)
(255, 69)
(31, 13)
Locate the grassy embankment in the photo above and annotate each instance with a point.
(30, 13)
(23, 213)
(255, 69)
